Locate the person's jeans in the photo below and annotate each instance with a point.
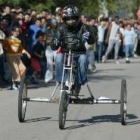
(100, 50)
(81, 62)
(110, 47)
(43, 68)
(50, 55)
(129, 50)
(91, 59)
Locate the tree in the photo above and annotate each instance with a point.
(87, 7)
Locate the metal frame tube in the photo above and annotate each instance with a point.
(109, 101)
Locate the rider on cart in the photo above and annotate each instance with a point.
(72, 26)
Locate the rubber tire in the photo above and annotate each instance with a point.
(62, 109)
(123, 99)
(22, 104)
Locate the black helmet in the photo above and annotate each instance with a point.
(70, 11)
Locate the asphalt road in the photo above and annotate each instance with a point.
(84, 122)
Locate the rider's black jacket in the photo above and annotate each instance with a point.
(77, 31)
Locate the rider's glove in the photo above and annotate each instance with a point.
(56, 42)
(85, 36)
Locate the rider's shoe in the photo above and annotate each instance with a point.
(65, 87)
(77, 89)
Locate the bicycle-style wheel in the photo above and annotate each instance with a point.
(63, 109)
(22, 102)
(123, 99)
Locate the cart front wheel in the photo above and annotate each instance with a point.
(123, 100)
(22, 102)
(63, 109)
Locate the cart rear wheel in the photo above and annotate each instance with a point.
(22, 102)
(123, 99)
(63, 109)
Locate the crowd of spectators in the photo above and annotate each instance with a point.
(118, 38)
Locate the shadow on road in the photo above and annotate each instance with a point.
(37, 119)
(97, 78)
(108, 70)
(134, 122)
(41, 85)
(103, 118)
(92, 121)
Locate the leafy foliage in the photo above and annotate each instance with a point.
(88, 7)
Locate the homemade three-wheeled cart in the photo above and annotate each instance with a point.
(67, 94)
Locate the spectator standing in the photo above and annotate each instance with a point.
(91, 48)
(83, 19)
(14, 49)
(4, 32)
(7, 16)
(58, 15)
(121, 29)
(38, 57)
(25, 23)
(58, 12)
(100, 43)
(129, 40)
(4, 27)
(50, 54)
(135, 28)
(114, 40)
(44, 13)
(33, 29)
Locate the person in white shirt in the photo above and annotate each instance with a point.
(114, 40)
(129, 38)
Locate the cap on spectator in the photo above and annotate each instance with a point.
(57, 9)
(54, 21)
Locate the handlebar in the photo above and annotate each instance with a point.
(70, 40)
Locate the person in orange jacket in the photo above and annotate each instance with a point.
(14, 49)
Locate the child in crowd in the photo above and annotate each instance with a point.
(38, 56)
(14, 49)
